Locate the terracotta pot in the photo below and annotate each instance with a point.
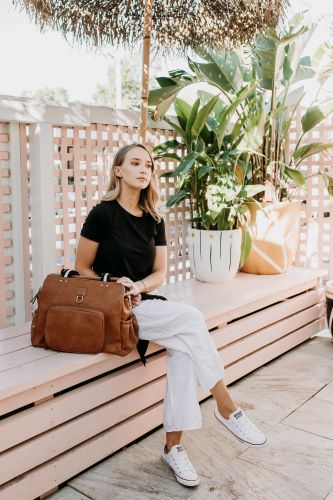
(275, 236)
(214, 255)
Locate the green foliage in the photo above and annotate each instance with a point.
(257, 103)
(212, 173)
(58, 95)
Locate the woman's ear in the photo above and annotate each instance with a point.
(117, 171)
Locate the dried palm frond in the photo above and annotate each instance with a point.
(176, 24)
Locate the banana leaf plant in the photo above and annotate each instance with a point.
(212, 172)
(281, 69)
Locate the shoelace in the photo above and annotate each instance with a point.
(247, 423)
(182, 461)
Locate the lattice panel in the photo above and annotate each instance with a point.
(82, 158)
(177, 218)
(316, 235)
(7, 296)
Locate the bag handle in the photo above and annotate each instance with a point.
(104, 277)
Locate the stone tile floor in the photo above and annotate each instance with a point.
(291, 398)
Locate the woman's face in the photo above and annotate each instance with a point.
(136, 170)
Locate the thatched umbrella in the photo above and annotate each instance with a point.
(172, 25)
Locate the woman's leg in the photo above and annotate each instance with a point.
(192, 360)
(224, 401)
(172, 439)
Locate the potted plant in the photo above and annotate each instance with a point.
(211, 175)
(280, 69)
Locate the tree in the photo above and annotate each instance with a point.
(56, 95)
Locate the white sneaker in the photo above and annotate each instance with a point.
(178, 461)
(242, 428)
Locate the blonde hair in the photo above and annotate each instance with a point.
(149, 200)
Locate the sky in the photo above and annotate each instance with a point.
(31, 60)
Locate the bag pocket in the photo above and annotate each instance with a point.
(70, 329)
(129, 335)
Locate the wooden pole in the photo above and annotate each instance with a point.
(145, 70)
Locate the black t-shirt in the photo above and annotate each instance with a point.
(126, 242)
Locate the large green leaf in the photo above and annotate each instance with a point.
(316, 114)
(246, 247)
(186, 164)
(167, 156)
(191, 120)
(310, 149)
(328, 183)
(165, 81)
(323, 62)
(166, 146)
(156, 96)
(295, 175)
(304, 69)
(253, 131)
(223, 219)
(201, 118)
(251, 190)
(224, 117)
(242, 120)
(175, 126)
(183, 111)
(214, 74)
(205, 169)
(176, 198)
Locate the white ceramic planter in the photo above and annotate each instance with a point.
(214, 255)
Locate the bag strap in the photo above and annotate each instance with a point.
(105, 277)
(68, 273)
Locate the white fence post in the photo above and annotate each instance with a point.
(17, 225)
(43, 235)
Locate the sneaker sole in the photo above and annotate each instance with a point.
(261, 445)
(184, 482)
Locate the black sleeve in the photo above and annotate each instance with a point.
(95, 224)
(160, 239)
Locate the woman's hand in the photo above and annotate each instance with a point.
(132, 289)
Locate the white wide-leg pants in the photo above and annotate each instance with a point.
(192, 358)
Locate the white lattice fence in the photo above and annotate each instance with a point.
(14, 233)
(39, 230)
(82, 159)
(6, 274)
(316, 234)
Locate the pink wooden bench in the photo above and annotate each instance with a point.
(61, 413)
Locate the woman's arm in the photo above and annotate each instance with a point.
(85, 256)
(157, 277)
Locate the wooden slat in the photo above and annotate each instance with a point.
(23, 356)
(36, 420)
(56, 471)
(67, 465)
(14, 344)
(14, 331)
(259, 358)
(46, 446)
(227, 302)
(255, 341)
(34, 381)
(156, 368)
(246, 325)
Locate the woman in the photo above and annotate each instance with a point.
(125, 235)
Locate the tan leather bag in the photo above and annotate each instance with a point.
(84, 315)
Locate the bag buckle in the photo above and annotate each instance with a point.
(79, 299)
